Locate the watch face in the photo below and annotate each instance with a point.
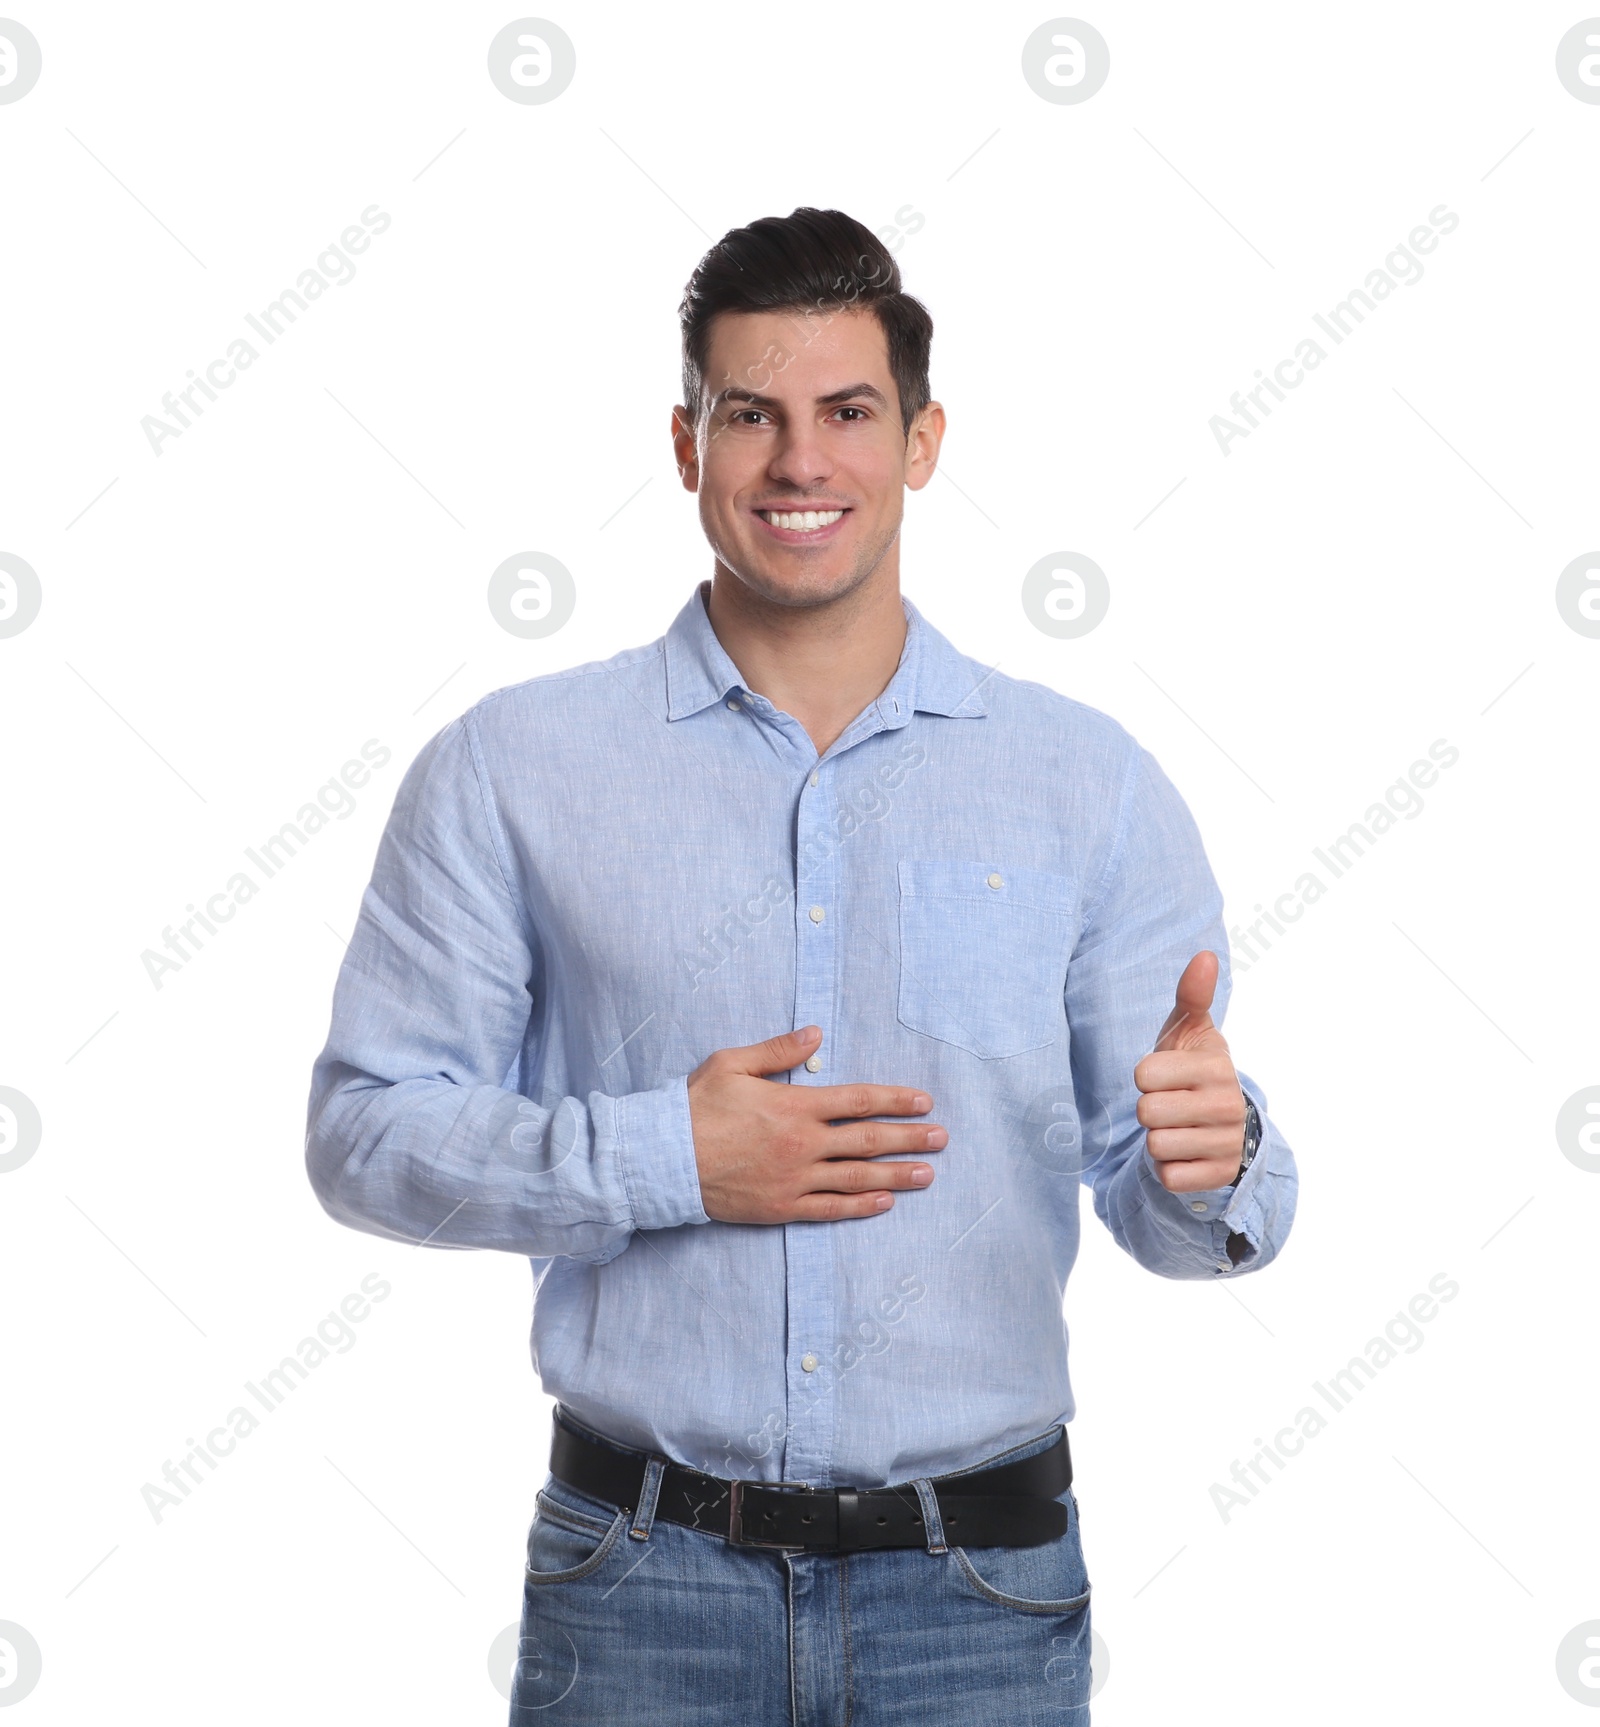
(1252, 1138)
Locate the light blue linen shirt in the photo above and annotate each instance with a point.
(593, 879)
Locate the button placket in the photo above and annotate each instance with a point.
(808, 1247)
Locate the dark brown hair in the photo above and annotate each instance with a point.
(810, 260)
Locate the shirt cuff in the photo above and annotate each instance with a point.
(655, 1144)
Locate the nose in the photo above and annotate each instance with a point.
(800, 459)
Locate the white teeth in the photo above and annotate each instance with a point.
(802, 521)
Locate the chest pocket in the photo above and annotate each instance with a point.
(983, 954)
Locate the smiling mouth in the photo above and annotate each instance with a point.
(801, 521)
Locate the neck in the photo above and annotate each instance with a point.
(820, 664)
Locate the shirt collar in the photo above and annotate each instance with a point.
(932, 677)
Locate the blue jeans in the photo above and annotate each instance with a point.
(628, 1619)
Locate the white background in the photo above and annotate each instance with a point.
(1292, 627)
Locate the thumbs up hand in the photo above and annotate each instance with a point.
(1192, 1109)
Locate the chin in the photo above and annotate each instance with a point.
(805, 578)
(800, 587)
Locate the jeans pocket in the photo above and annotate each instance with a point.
(983, 954)
(564, 1544)
(1048, 1579)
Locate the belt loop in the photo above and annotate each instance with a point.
(645, 1517)
(932, 1521)
(849, 1515)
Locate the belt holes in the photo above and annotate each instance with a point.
(883, 1519)
(807, 1517)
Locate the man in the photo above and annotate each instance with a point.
(772, 987)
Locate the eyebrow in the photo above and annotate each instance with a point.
(734, 393)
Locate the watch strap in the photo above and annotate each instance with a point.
(1252, 1138)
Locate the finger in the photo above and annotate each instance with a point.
(847, 1102)
(1177, 1144)
(1198, 985)
(1196, 1175)
(831, 1207)
(774, 1054)
(1183, 1069)
(846, 1175)
(1198, 1109)
(874, 1138)
(1191, 1010)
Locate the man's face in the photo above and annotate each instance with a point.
(800, 459)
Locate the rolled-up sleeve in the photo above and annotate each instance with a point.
(1156, 906)
(413, 1131)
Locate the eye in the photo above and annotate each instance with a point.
(861, 411)
(746, 415)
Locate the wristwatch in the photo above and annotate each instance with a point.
(1252, 1138)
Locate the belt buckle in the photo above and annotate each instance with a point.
(736, 1534)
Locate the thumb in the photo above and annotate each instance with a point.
(1191, 1009)
(777, 1054)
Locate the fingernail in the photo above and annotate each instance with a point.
(921, 1177)
(922, 1101)
(884, 1201)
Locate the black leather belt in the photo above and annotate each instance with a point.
(1011, 1505)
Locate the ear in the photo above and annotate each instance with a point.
(922, 446)
(685, 449)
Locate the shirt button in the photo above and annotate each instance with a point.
(817, 914)
(1198, 1205)
(734, 706)
(997, 880)
(809, 1363)
(813, 1064)
(813, 779)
